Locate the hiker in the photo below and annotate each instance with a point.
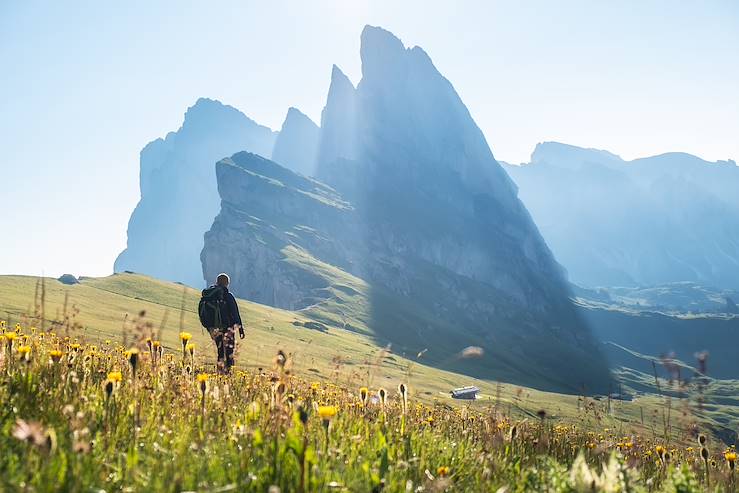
(219, 313)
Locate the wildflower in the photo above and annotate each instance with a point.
(133, 358)
(55, 355)
(382, 394)
(190, 348)
(730, 456)
(315, 386)
(364, 396)
(403, 390)
(115, 376)
(75, 347)
(660, 452)
(442, 471)
(10, 337)
(327, 413)
(32, 432)
(202, 379)
(185, 338)
(25, 352)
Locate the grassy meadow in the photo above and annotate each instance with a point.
(109, 385)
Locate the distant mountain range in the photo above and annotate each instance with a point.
(393, 218)
(651, 221)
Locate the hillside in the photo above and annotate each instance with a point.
(108, 309)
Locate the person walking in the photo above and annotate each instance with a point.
(220, 315)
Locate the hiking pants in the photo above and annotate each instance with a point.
(225, 341)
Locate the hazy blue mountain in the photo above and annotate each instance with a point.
(296, 146)
(651, 221)
(411, 229)
(179, 197)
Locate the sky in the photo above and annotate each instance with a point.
(85, 85)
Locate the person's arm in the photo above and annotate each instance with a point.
(236, 316)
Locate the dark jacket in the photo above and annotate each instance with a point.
(230, 315)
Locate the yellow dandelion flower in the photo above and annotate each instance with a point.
(442, 471)
(24, 351)
(55, 355)
(364, 395)
(190, 348)
(202, 380)
(730, 456)
(184, 337)
(327, 413)
(133, 358)
(115, 376)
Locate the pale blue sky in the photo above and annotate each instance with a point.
(85, 85)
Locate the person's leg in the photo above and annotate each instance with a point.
(217, 335)
(229, 341)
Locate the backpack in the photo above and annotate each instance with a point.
(210, 308)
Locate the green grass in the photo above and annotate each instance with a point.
(108, 309)
(68, 425)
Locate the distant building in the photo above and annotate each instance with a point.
(469, 393)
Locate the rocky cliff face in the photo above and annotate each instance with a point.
(650, 221)
(414, 228)
(296, 146)
(179, 196)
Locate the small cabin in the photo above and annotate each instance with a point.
(469, 393)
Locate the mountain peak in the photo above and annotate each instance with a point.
(297, 142)
(381, 52)
(295, 115)
(206, 111)
(339, 80)
(570, 156)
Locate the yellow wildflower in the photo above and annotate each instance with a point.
(55, 355)
(115, 376)
(327, 413)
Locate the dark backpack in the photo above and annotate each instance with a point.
(211, 307)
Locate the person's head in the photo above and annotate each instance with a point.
(223, 280)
